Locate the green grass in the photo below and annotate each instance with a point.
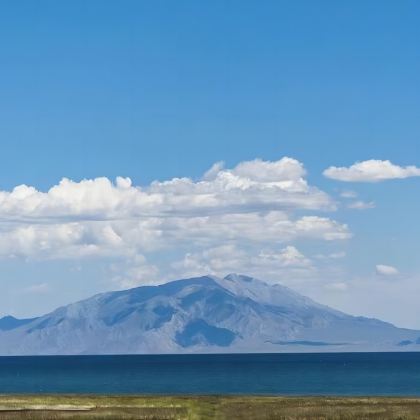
(218, 407)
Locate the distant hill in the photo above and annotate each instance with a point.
(204, 315)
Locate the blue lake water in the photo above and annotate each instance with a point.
(284, 374)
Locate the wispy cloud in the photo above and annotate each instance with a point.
(348, 194)
(40, 288)
(386, 270)
(361, 205)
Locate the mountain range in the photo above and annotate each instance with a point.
(206, 314)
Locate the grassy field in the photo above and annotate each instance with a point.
(246, 407)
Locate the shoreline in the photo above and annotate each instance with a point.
(57, 406)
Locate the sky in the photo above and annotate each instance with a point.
(148, 141)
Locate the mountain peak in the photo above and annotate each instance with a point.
(239, 277)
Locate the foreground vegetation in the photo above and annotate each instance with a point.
(218, 407)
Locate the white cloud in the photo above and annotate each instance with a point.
(287, 171)
(286, 257)
(386, 270)
(250, 186)
(256, 202)
(371, 171)
(331, 256)
(212, 173)
(127, 238)
(255, 227)
(348, 194)
(229, 258)
(135, 272)
(67, 240)
(361, 205)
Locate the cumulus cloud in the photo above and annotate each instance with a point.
(257, 202)
(134, 272)
(371, 171)
(386, 270)
(67, 240)
(250, 186)
(126, 238)
(229, 258)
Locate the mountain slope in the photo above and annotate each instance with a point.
(205, 314)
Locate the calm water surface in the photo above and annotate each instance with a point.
(287, 374)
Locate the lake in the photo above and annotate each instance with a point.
(269, 374)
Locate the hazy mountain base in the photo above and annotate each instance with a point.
(218, 407)
(200, 315)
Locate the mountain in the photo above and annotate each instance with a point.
(205, 314)
(10, 322)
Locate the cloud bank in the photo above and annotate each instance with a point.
(256, 201)
(241, 219)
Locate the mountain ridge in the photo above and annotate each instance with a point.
(206, 314)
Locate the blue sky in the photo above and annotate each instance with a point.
(158, 90)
